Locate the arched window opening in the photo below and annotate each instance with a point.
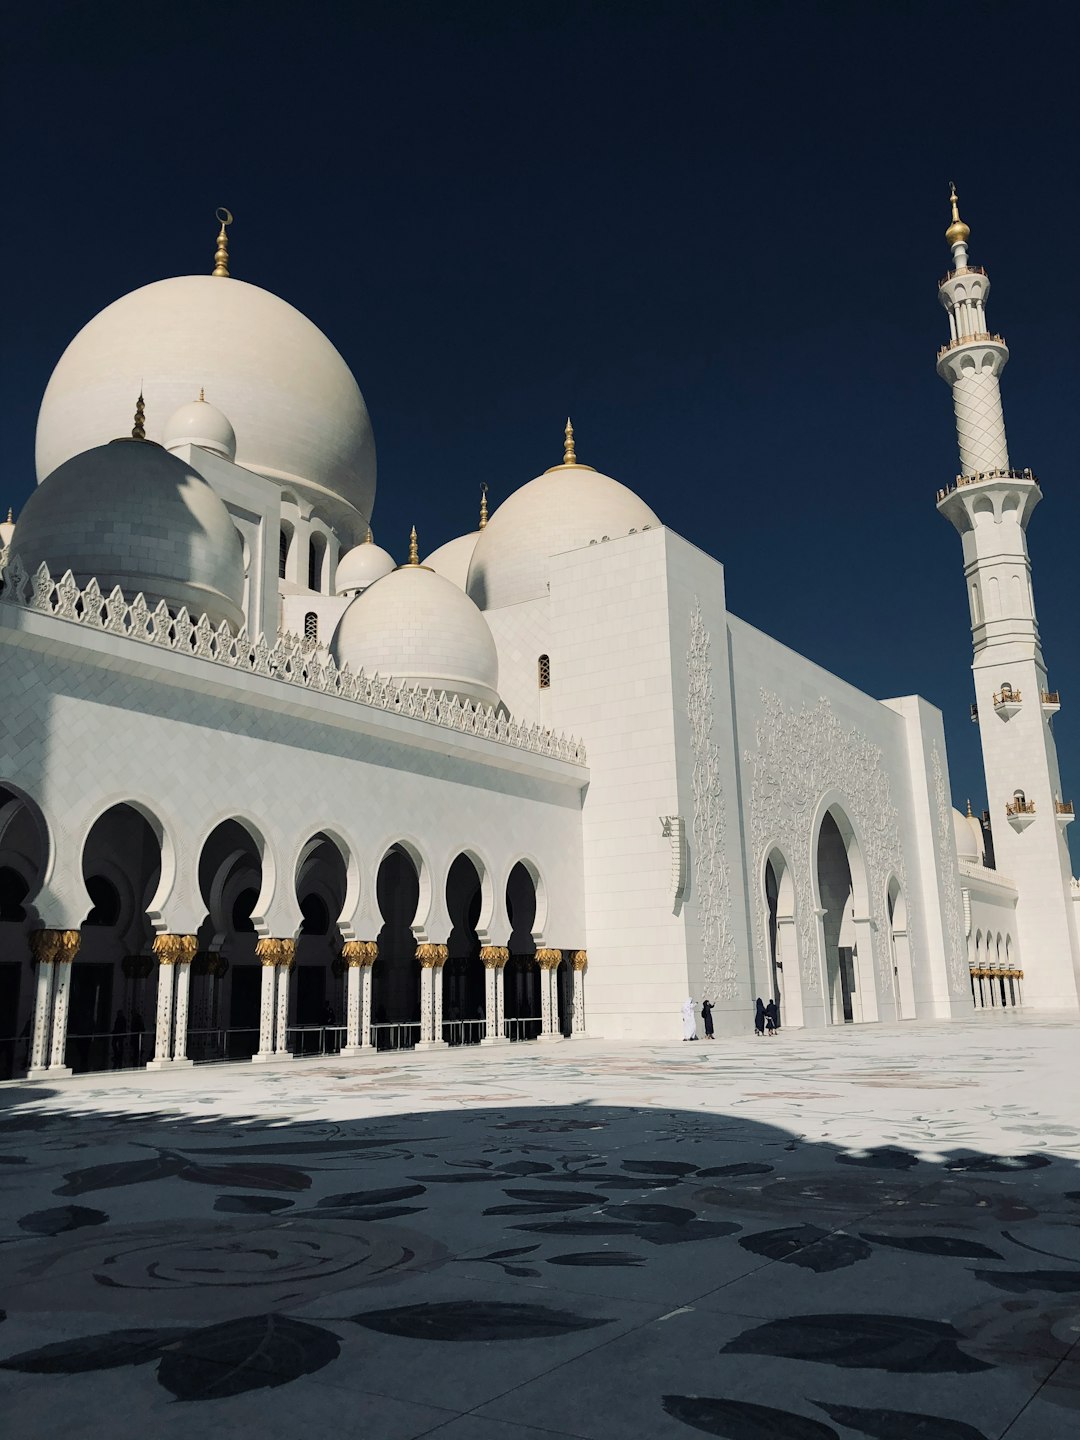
(243, 906)
(106, 898)
(316, 551)
(283, 553)
(543, 668)
(311, 626)
(1006, 690)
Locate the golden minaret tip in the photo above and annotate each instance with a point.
(483, 504)
(138, 430)
(569, 455)
(369, 538)
(9, 515)
(958, 232)
(414, 551)
(221, 254)
(969, 815)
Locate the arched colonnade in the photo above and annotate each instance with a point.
(270, 958)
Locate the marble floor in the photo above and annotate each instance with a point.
(872, 1232)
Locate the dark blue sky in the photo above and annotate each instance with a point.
(711, 232)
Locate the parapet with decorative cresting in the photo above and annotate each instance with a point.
(290, 660)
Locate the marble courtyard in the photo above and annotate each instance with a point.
(862, 1232)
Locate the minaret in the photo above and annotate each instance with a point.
(990, 505)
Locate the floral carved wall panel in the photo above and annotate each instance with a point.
(711, 879)
(955, 944)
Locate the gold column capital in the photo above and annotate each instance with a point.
(173, 949)
(286, 954)
(432, 957)
(360, 954)
(267, 950)
(494, 957)
(43, 946)
(548, 959)
(579, 959)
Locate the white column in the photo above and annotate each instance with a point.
(43, 949)
(286, 954)
(548, 961)
(427, 1029)
(365, 1000)
(167, 949)
(352, 1002)
(183, 986)
(494, 958)
(437, 989)
(580, 963)
(267, 951)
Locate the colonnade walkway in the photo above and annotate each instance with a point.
(858, 1232)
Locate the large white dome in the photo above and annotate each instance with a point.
(970, 844)
(561, 510)
(453, 559)
(297, 412)
(131, 514)
(418, 627)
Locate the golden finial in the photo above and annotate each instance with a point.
(970, 816)
(569, 458)
(202, 392)
(221, 254)
(483, 504)
(958, 232)
(138, 430)
(369, 538)
(10, 517)
(414, 552)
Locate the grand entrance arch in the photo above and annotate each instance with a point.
(844, 930)
(785, 978)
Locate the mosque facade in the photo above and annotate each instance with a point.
(265, 793)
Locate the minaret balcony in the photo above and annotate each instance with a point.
(981, 337)
(1064, 812)
(1007, 703)
(981, 475)
(1050, 701)
(1019, 813)
(963, 270)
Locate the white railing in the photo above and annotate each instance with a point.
(290, 660)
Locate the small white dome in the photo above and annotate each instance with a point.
(362, 566)
(202, 424)
(453, 559)
(561, 510)
(298, 414)
(970, 844)
(131, 514)
(418, 627)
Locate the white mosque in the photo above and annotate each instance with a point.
(265, 793)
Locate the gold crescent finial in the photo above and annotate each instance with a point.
(414, 551)
(483, 504)
(221, 254)
(569, 457)
(958, 232)
(138, 430)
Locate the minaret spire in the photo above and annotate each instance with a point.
(991, 505)
(483, 504)
(569, 455)
(414, 549)
(221, 254)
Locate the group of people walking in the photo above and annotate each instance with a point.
(766, 1018)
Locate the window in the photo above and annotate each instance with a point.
(283, 554)
(543, 667)
(311, 626)
(316, 551)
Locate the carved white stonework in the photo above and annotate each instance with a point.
(955, 947)
(286, 660)
(712, 883)
(801, 755)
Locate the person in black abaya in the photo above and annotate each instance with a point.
(759, 1016)
(772, 1018)
(706, 1015)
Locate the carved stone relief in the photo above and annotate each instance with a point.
(712, 882)
(955, 948)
